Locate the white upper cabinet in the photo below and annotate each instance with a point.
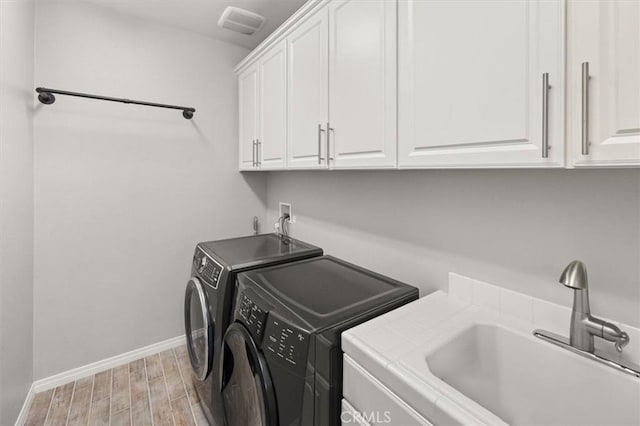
(307, 95)
(248, 131)
(263, 111)
(471, 86)
(342, 76)
(350, 84)
(362, 83)
(272, 137)
(604, 99)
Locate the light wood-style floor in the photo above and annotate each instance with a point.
(156, 390)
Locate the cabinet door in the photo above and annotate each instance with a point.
(307, 95)
(362, 83)
(606, 35)
(248, 118)
(367, 394)
(272, 138)
(471, 83)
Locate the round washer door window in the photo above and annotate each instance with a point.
(247, 391)
(198, 328)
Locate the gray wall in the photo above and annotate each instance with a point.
(125, 192)
(513, 228)
(16, 205)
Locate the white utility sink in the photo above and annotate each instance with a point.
(452, 361)
(524, 380)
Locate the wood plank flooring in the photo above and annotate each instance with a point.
(156, 390)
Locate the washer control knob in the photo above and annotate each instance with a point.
(203, 264)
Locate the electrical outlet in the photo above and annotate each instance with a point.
(285, 209)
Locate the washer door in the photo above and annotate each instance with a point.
(199, 328)
(247, 390)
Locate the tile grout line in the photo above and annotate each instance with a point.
(48, 408)
(175, 358)
(110, 394)
(73, 392)
(93, 385)
(164, 379)
(185, 387)
(146, 380)
(130, 404)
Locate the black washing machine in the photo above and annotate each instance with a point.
(209, 296)
(282, 361)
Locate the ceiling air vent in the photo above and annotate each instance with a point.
(240, 20)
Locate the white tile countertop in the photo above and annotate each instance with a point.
(392, 347)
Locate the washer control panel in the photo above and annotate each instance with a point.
(286, 342)
(209, 269)
(254, 316)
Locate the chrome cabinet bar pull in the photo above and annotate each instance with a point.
(320, 131)
(585, 108)
(253, 153)
(545, 115)
(258, 146)
(329, 130)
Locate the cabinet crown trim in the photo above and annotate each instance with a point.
(307, 10)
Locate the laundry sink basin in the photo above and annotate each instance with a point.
(523, 380)
(452, 361)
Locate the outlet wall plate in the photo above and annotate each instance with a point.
(285, 208)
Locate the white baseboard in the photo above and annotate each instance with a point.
(96, 367)
(22, 416)
(93, 368)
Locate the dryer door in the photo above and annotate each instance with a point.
(199, 328)
(247, 390)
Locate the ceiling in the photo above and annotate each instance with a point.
(201, 16)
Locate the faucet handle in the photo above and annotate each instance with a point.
(574, 276)
(622, 342)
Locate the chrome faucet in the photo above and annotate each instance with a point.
(584, 326)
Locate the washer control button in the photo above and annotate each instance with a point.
(203, 264)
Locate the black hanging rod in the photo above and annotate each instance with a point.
(46, 96)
